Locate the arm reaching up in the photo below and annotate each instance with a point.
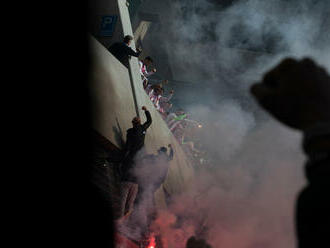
(131, 52)
(147, 124)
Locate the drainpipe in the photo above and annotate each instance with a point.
(133, 89)
(127, 30)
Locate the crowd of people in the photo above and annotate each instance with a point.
(179, 122)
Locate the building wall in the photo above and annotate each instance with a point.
(114, 108)
(113, 104)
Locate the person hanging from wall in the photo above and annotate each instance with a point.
(153, 169)
(160, 164)
(151, 174)
(144, 64)
(134, 143)
(122, 50)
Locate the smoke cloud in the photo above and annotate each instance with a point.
(247, 198)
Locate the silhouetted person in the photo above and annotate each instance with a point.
(122, 50)
(162, 160)
(154, 169)
(297, 93)
(134, 143)
(151, 172)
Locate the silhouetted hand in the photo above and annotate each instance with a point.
(297, 93)
(197, 243)
(139, 49)
(144, 108)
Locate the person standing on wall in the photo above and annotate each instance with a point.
(128, 181)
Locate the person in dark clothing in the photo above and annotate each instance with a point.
(162, 159)
(297, 93)
(151, 172)
(122, 50)
(134, 143)
(156, 168)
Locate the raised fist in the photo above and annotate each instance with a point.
(297, 93)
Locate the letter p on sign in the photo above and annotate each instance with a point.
(108, 24)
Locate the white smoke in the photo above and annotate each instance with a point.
(227, 126)
(247, 200)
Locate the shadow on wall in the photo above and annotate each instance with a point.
(118, 134)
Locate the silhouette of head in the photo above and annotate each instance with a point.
(158, 90)
(136, 121)
(148, 61)
(128, 39)
(162, 150)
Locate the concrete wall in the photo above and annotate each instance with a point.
(113, 105)
(114, 108)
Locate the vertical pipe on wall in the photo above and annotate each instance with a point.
(133, 62)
